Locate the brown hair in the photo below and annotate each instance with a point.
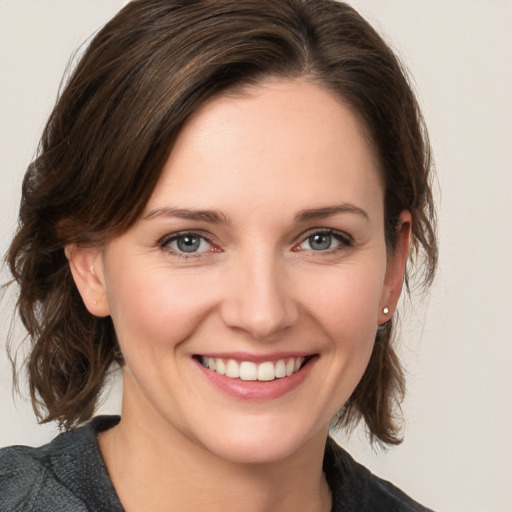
(113, 127)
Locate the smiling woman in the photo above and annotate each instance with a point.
(224, 205)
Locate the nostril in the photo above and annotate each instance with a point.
(258, 323)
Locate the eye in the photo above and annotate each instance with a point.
(186, 243)
(327, 240)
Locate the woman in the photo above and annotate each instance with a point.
(224, 204)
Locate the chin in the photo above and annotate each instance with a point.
(262, 444)
(253, 451)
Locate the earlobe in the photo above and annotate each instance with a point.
(396, 268)
(86, 264)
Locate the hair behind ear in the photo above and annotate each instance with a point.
(379, 393)
(71, 349)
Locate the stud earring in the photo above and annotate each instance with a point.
(91, 269)
(385, 310)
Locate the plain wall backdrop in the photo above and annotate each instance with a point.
(457, 343)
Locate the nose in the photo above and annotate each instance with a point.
(260, 300)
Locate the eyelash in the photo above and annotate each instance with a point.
(345, 241)
(165, 241)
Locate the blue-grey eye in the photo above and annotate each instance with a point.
(325, 241)
(187, 243)
(320, 241)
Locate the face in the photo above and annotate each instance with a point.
(247, 297)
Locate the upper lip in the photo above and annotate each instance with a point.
(256, 358)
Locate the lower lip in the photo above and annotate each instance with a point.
(255, 389)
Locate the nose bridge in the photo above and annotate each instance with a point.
(261, 302)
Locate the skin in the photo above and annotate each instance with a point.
(276, 164)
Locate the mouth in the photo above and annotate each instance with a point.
(264, 371)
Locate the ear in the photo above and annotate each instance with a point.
(86, 264)
(395, 268)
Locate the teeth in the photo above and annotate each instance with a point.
(232, 369)
(247, 370)
(280, 369)
(220, 366)
(266, 371)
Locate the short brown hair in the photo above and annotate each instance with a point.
(113, 127)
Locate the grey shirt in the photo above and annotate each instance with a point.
(69, 475)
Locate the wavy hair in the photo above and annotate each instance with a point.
(113, 127)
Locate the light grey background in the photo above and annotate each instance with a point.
(457, 345)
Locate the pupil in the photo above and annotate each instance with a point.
(188, 243)
(320, 242)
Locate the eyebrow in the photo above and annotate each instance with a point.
(329, 211)
(217, 217)
(213, 216)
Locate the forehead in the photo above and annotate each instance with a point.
(267, 142)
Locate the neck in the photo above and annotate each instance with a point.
(156, 468)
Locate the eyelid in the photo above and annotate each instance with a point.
(345, 239)
(162, 242)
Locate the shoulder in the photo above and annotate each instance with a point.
(355, 488)
(27, 482)
(66, 474)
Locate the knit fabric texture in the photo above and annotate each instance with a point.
(69, 475)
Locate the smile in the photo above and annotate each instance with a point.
(251, 371)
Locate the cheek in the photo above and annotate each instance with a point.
(347, 312)
(348, 300)
(156, 309)
(344, 305)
